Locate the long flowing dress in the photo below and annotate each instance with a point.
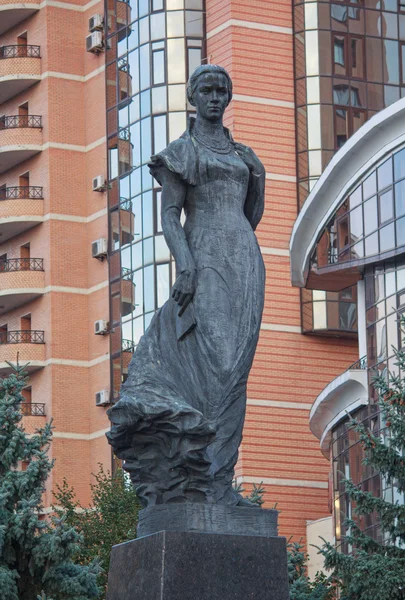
(178, 423)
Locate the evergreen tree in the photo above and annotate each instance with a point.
(373, 569)
(111, 519)
(35, 555)
(301, 588)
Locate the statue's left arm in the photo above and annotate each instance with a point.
(254, 203)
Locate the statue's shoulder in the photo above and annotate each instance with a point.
(179, 157)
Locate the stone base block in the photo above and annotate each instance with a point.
(199, 566)
(208, 518)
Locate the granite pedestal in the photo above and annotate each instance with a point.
(199, 566)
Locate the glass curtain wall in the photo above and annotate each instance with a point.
(151, 48)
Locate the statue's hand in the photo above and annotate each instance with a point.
(250, 159)
(184, 289)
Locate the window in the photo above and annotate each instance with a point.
(348, 56)
(347, 121)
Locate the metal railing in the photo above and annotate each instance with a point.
(22, 192)
(15, 121)
(21, 264)
(125, 204)
(359, 364)
(128, 346)
(33, 409)
(29, 336)
(126, 274)
(22, 51)
(122, 65)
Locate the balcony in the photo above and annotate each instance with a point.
(127, 293)
(125, 83)
(128, 348)
(22, 347)
(21, 280)
(12, 13)
(123, 13)
(20, 138)
(21, 207)
(20, 68)
(329, 313)
(343, 395)
(33, 409)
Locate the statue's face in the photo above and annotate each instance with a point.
(211, 96)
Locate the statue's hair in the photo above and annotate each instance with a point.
(202, 70)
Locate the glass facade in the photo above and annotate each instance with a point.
(371, 220)
(152, 47)
(348, 66)
(330, 313)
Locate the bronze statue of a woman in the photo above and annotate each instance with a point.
(178, 423)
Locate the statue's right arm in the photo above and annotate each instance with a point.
(174, 191)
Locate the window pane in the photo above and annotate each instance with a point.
(356, 224)
(174, 4)
(371, 244)
(357, 57)
(145, 68)
(113, 163)
(147, 214)
(144, 30)
(384, 174)
(387, 238)
(175, 24)
(146, 140)
(370, 215)
(339, 55)
(148, 251)
(177, 97)
(160, 135)
(399, 165)
(145, 103)
(400, 198)
(159, 99)
(163, 284)
(149, 288)
(162, 252)
(143, 7)
(391, 74)
(355, 197)
(386, 207)
(358, 119)
(194, 24)
(177, 125)
(341, 127)
(370, 185)
(136, 152)
(194, 59)
(400, 227)
(176, 61)
(319, 311)
(195, 4)
(158, 67)
(157, 4)
(158, 212)
(157, 26)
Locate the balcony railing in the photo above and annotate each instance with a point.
(33, 409)
(29, 336)
(128, 346)
(125, 204)
(126, 274)
(22, 192)
(21, 264)
(20, 52)
(14, 121)
(123, 65)
(359, 364)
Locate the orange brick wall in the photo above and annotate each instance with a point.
(289, 367)
(70, 99)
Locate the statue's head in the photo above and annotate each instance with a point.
(209, 89)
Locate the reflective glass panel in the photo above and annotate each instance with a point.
(386, 207)
(144, 30)
(158, 67)
(162, 252)
(356, 224)
(149, 288)
(175, 24)
(148, 251)
(146, 139)
(400, 228)
(157, 26)
(370, 215)
(370, 185)
(384, 173)
(194, 59)
(176, 61)
(355, 197)
(157, 4)
(147, 214)
(391, 61)
(145, 103)
(159, 99)
(143, 7)
(194, 23)
(144, 67)
(163, 284)
(387, 238)
(399, 165)
(194, 4)
(371, 244)
(159, 133)
(177, 97)
(174, 4)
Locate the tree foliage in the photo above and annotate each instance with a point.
(376, 569)
(35, 555)
(110, 519)
(301, 588)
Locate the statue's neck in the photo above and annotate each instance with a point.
(209, 129)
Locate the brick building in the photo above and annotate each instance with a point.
(72, 115)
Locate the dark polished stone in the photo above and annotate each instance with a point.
(199, 566)
(207, 518)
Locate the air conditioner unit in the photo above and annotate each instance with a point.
(99, 183)
(100, 327)
(102, 398)
(94, 42)
(99, 248)
(96, 22)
